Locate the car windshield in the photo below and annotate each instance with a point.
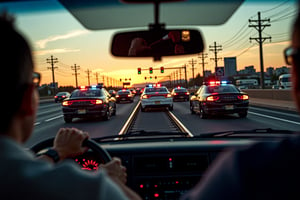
(153, 90)
(180, 90)
(222, 89)
(86, 93)
(72, 51)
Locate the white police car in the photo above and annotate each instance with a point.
(156, 96)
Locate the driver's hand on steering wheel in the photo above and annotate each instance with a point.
(68, 142)
(115, 170)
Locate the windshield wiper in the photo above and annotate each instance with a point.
(250, 132)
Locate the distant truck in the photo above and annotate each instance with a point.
(247, 83)
(285, 81)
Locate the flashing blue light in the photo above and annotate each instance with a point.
(224, 82)
(94, 86)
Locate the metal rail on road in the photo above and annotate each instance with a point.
(181, 127)
(129, 121)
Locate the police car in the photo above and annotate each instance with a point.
(156, 96)
(219, 97)
(89, 101)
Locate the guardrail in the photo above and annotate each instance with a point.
(285, 95)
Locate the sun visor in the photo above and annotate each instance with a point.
(102, 14)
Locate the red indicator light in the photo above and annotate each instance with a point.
(177, 182)
(141, 186)
(243, 97)
(212, 98)
(55, 97)
(170, 159)
(156, 195)
(155, 186)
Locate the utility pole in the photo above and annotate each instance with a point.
(215, 48)
(193, 62)
(52, 61)
(185, 76)
(76, 68)
(88, 76)
(202, 56)
(96, 74)
(260, 26)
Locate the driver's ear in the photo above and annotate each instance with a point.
(28, 104)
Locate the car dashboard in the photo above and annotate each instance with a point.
(164, 168)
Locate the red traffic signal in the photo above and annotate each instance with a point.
(162, 69)
(151, 70)
(139, 70)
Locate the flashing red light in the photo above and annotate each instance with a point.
(176, 182)
(212, 98)
(243, 97)
(170, 159)
(123, 90)
(141, 186)
(55, 97)
(156, 195)
(178, 87)
(158, 85)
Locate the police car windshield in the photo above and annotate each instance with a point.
(87, 93)
(162, 89)
(180, 90)
(222, 89)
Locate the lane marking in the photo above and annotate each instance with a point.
(276, 112)
(37, 123)
(276, 118)
(53, 118)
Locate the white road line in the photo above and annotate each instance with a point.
(53, 118)
(276, 118)
(37, 123)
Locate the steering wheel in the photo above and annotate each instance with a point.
(100, 153)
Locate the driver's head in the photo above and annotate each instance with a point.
(18, 94)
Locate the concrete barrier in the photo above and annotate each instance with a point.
(285, 95)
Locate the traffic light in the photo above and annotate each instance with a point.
(150, 77)
(162, 69)
(151, 70)
(155, 77)
(145, 78)
(139, 71)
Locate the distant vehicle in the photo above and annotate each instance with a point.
(139, 91)
(156, 96)
(285, 81)
(89, 101)
(180, 94)
(217, 97)
(124, 95)
(247, 83)
(61, 96)
(112, 93)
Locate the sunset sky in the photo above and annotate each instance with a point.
(72, 44)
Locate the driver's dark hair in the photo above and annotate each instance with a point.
(16, 67)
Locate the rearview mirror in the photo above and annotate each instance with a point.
(157, 43)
